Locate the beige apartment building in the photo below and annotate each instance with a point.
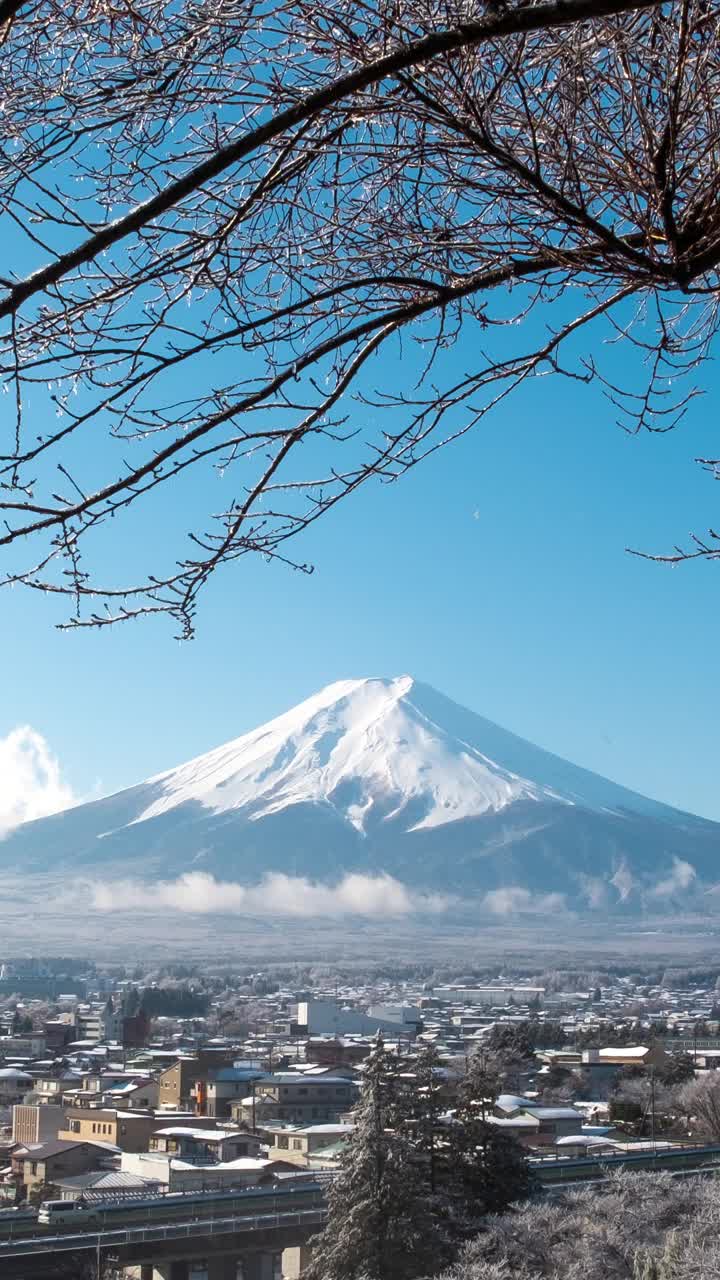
(128, 1130)
(304, 1146)
(33, 1123)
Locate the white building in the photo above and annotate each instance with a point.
(327, 1018)
(491, 995)
(179, 1175)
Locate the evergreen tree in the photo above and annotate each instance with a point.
(512, 1040)
(131, 1003)
(490, 1166)
(382, 1223)
(482, 1082)
(513, 1047)
(676, 1070)
(425, 1108)
(21, 1024)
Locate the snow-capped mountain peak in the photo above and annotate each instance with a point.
(385, 777)
(378, 750)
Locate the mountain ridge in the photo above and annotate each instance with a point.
(386, 775)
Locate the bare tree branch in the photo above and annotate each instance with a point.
(225, 224)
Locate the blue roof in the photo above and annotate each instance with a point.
(553, 1113)
(237, 1073)
(299, 1077)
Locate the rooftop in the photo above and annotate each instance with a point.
(324, 1128)
(206, 1135)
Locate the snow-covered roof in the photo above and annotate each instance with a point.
(109, 1180)
(553, 1113)
(636, 1051)
(205, 1135)
(226, 1074)
(324, 1128)
(245, 1163)
(516, 1122)
(582, 1140)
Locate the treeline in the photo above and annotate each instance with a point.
(174, 1002)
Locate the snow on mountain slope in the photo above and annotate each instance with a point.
(385, 777)
(378, 749)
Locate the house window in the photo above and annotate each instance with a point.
(282, 1143)
(303, 1090)
(297, 1144)
(33, 1167)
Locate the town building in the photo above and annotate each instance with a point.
(307, 1146)
(329, 1018)
(295, 1098)
(14, 1085)
(205, 1146)
(221, 1086)
(42, 1164)
(128, 1130)
(36, 1124)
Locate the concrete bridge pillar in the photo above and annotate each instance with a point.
(257, 1266)
(294, 1261)
(224, 1268)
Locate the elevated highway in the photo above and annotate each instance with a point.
(251, 1232)
(556, 1170)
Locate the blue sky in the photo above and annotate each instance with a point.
(495, 572)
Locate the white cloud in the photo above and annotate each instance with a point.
(623, 882)
(680, 878)
(594, 891)
(31, 785)
(510, 901)
(277, 894)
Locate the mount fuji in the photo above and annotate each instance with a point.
(387, 776)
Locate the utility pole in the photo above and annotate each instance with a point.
(652, 1109)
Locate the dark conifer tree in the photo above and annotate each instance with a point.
(381, 1220)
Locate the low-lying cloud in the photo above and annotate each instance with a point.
(515, 900)
(31, 784)
(594, 891)
(278, 895)
(679, 879)
(623, 881)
